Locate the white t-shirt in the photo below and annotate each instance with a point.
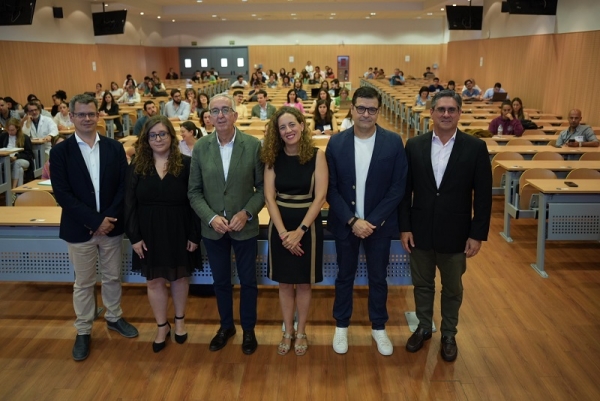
(363, 151)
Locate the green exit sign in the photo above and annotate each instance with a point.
(194, 43)
(232, 42)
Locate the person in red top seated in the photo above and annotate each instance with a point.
(510, 124)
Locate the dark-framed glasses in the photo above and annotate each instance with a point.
(444, 110)
(154, 136)
(371, 110)
(225, 110)
(82, 116)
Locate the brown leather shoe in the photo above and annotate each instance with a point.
(449, 349)
(415, 342)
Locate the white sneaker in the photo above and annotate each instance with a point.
(340, 340)
(384, 345)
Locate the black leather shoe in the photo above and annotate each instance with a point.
(415, 342)
(157, 347)
(123, 328)
(449, 349)
(180, 338)
(249, 343)
(81, 349)
(220, 340)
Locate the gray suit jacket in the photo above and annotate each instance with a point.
(211, 195)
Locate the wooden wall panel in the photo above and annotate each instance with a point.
(362, 57)
(554, 73)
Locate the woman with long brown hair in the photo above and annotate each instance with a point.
(295, 186)
(21, 162)
(163, 229)
(323, 122)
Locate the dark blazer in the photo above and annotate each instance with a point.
(74, 191)
(385, 185)
(442, 219)
(211, 195)
(25, 154)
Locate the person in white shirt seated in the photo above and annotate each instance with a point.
(309, 68)
(489, 94)
(240, 108)
(99, 91)
(175, 109)
(318, 75)
(347, 122)
(115, 90)
(131, 96)
(206, 125)
(240, 83)
(37, 126)
(62, 118)
(129, 81)
(189, 134)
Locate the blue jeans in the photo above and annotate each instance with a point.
(377, 252)
(219, 258)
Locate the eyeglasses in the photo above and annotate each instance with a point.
(225, 110)
(154, 136)
(361, 110)
(443, 110)
(84, 115)
(33, 111)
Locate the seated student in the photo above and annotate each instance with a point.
(397, 78)
(294, 101)
(451, 86)
(115, 90)
(108, 107)
(428, 74)
(329, 73)
(130, 96)
(301, 93)
(99, 91)
(176, 109)
(59, 97)
(143, 86)
(469, 92)
(334, 90)
(203, 101)
(286, 83)
(172, 74)
(489, 94)
(240, 108)
(252, 95)
(197, 77)
(507, 120)
(38, 126)
(150, 110)
(240, 82)
(46, 169)
(517, 105)
(272, 84)
(263, 109)
(381, 74)
(159, 85)
(323, 121)
(347, 122)
(318, 76)
(191, 97)
(436, 87)
(206, 126)
(344, 95)
(369, 73)
(21, 162)
(151, 89)
(63, 118)
(323, 95)
(423, 96)
(577, 135)
(189, 134)
(129, 81)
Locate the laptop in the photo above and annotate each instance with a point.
(499, 96)
(345, 104)
(314, 92)
(428, 105)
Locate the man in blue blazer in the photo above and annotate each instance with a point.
(367, 179)
(88, 176)
(444, 216)
(226, 192)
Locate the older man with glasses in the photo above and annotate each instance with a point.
(38, 126)
(367, 178)
(444, 216)
(226, 191)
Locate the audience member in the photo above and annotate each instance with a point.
(203, 101)
(294, 101)
(175, 109)
(489, 94)
(436, 87)
(99, 91)
(451, 86)
(263, 109)
(469, 92)
(172, 74)
(309, 69)
(190, 133)
(577, 135)
(323, 95)
(62, 119)
(518, 111)
(130, 96)
(397, 78)
(323, 121)
(191, 98)
(272, 83)
(240, 82)
(206, 125)
(301, 93)
(60, 96)
(37, 126)
(507, 120)
(241, 109)
(129, 81)
(428, 74)
(21, 162)
(347, 122)
(108, 107)
(423, 96)
(115, 90)
(150, 110)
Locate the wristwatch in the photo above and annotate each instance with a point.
(304, 228)
(248, 214)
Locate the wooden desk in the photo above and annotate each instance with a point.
(529, 151)
(37, 216)
(573, 214)
(110, 125)
(33, 186)
(6, 177)
(514, 169)
(39, 155)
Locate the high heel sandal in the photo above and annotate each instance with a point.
(284, 348)
(180, 338)
(300, 349)
(157, 347)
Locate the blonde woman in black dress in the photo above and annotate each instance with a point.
(296, 179)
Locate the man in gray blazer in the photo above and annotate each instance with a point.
(226, 191)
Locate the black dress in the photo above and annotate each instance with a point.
(295, 186)
(159, 212)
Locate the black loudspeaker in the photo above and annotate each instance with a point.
(532, 7)
(505, 7)
(57, 12)
(465, 18)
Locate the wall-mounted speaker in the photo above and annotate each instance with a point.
(57, 12)
(505, 7)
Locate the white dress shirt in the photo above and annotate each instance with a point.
(440, 154)
(91, 156)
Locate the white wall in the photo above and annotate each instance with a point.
(77, 27)
(578, 16)
(247, 33)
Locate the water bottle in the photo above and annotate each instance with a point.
(500, 130)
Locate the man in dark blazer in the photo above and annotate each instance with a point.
(367, 178)
(444, 216)
(226, 191)
(88, 176)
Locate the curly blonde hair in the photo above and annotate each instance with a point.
(144, 157)
(273, 144)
